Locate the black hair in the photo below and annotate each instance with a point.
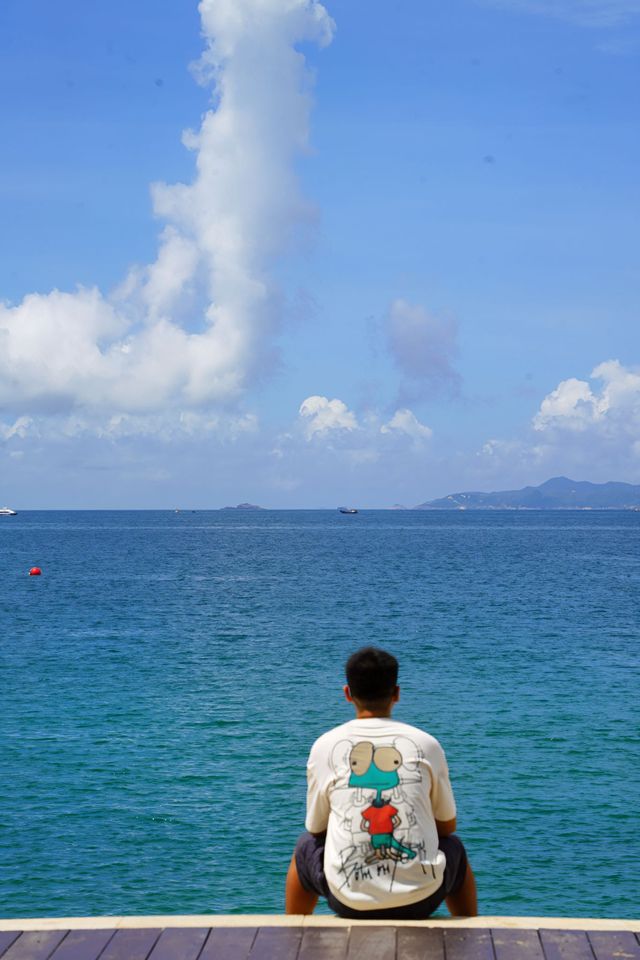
(372, 674)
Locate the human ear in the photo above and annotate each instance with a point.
(347, 693)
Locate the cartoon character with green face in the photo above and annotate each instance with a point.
(376, 768)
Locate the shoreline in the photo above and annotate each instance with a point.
(314, 920)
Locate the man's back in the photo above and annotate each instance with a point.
(377, 787)
(381, 816)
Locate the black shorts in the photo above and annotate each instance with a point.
(309, 854)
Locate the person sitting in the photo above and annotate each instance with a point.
(381, 815)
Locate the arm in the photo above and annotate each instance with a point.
(443, 802)
(446, 827)
(317, 816)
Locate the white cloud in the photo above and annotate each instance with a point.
(323, 416)
(588, 13)
(511, 457)
(192, 330)
(588, 428)
(583, 428)
(406, 422)
(347, 454)
(613, 410)
(497, 448)
(228, 427)
(18, 429)
(187, 423)
(571, 405)
(423, 347)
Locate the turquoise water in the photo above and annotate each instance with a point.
(162, 682)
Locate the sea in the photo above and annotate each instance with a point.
(162, 682)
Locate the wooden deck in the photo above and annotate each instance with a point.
(361, 941)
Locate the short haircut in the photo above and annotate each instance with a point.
(372, 674)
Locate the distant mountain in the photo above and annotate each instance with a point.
(243, 506)
(560, 493)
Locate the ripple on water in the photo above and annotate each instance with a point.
(163, 682)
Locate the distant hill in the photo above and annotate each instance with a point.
(560, 493)
(243, 506)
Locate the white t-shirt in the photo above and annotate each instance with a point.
(377, 787)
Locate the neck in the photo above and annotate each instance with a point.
(363, 714)
(376, 708)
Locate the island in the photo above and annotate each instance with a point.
(243, 506)
(559, 493)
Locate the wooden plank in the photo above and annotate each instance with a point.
(229, 943)
(517, 945)
(324, 943)
(416, 943)
(83, 944)
(132, 944)
(463, 943)
(614, 945)
(276, 943)
(35, 945)
(372, 943)
(6, 939)
(566, 945)
(179, 943)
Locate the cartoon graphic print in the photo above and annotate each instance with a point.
(376, 768)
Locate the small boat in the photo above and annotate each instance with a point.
(347, 509)
(8, 512)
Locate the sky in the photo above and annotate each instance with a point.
(311, 254)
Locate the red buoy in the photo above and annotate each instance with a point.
(35, 572)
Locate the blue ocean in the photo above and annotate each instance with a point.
(162, 682)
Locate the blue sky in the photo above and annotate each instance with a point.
(408, 264)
